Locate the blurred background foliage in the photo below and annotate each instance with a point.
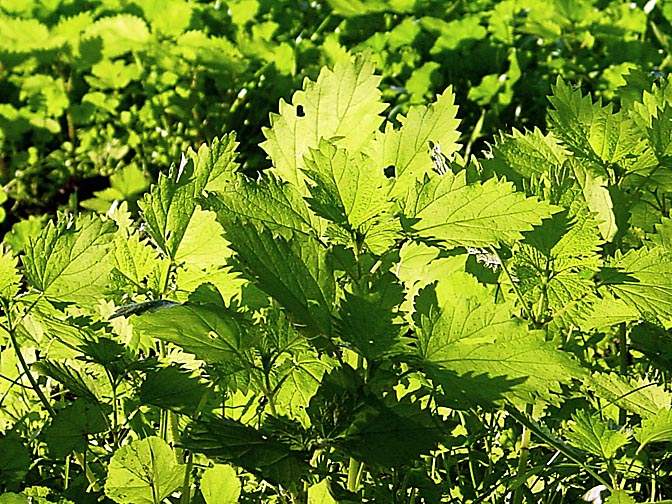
(98, 96)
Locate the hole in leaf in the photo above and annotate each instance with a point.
(389, 171)
(299, 111)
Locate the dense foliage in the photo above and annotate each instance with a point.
(381, 312)
(98, 88)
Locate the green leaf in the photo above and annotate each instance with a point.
(608, 311)
(295, 272)
(143, 472)
(590, 130)
(215, 164)
(458, 308)
(385, 432)
(208, 331)
(341, 102)
(596, 193)
(479, 353)
(620, 497)
(448, 209)
(277, 205)
(391, 435)
(120, 34)
(15, 461)
(371, 321)
(70, 261)
(173, 215)
(134, 262)
(71, 427)
(173, 388)
(9, 276)
(254, 450)
(655, 429)
(594, 435)
(527, 155)
(203, 243)
(408, 149)
(642, 396)
(347, 190)
(220, 485)
(320, 494)
(645, 282)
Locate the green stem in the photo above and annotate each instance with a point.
(91, 478)
(521, 471)
(525, 308)
(186, 483)
(622, 365)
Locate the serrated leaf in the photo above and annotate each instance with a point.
(642, 397)
(171, 210)
(340, 102)
(254, 450)
(370, 321)
(458, 308)
(295, 272)
(525, 155)
(596, 193)
(133, 259)
(70, 261)
(120, 34)
(173, 388)
(608, 311)
(645, 282)
(83, 383)
(590, 130)
(277, 205)
(594, 435)
(347, 190)
(207, 331)
(215, 164)
(143, 472)
(9, 276)
(521, 366)
(71, 427)
(408, 148)
(203, 243)
(391, 435)
(655, 429)
(220, 485)
(448, 209)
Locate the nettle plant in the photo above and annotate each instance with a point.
(372, 319)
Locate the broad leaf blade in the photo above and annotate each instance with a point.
(143, 472)
(645, 282)
(9, 276)
(347, 190)
(340, 102)
(295, 272)
(70, 261)
(408, 149)
(447, 209)
(207, 331)
(269, 201)
(594, 435)
(254, 450)
(71, 427)
(173, 388)
(655, 429)
(220, 485)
